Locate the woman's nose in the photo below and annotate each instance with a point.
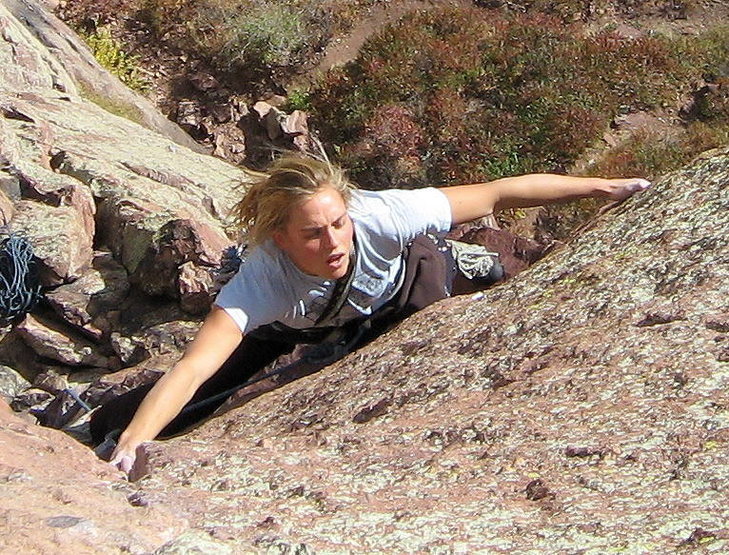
(330, 238)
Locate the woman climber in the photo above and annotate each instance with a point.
(327, 260)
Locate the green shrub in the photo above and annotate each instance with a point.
(110, 54)
(257, 34)
(252, 39)
(490, 94)
(298, 99)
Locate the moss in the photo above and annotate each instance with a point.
(110, 53)
(112, 105)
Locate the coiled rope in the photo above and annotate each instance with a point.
(20, 287)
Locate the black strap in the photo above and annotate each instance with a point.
(341, 290)
(277, 331)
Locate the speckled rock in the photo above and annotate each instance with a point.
(90, 302)
(580, 407)
(139, 186)
(77, 180)
(59, 240)
(11, 383)
(57, 497)
(63, 345)
(6, 209)
(39, 50)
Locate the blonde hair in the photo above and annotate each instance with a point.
(266, 205)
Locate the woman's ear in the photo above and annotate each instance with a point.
(279, 237)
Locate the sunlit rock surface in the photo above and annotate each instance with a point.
(581, 406)
(58, 498)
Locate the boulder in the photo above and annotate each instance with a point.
(58, 237)
(25, 62)
(180, 247)
(45, 186)
(11, 383)
(59, 498)
(579, 404)
(51, 341)
(38, 50)
(90, 302)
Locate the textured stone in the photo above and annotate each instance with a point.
(53, 342)
(108, 386)
(59, 498)
(195, 286)
(24, 61)
(58, 237)
(6, 209)
(38, 50)
(43, 185)
(11, 382)
(579, 406)
(87, 302)
(178, 255)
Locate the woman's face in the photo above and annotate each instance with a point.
(318, 235)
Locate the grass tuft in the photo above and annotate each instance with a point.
(110, 54)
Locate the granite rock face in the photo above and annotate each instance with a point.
(59, 498)
(580, 406)
(125, 220)
(39, 50)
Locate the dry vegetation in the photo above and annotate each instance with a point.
(467, 93)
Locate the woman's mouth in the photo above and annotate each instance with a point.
(335, 260)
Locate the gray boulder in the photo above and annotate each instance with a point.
(38, 50)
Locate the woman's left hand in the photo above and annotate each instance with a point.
(620, 189)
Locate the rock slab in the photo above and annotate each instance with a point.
(581, 406)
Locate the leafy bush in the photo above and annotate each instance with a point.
(490, 94)
(109, 53)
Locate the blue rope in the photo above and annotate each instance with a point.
(20, 287)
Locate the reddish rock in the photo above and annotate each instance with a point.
(261, 109)
(59, 498)
(177, 243)
(296, 127)
(51, 341)
(108, 386)
(537, 417)
(87, 302)
(128, 227)
(6, 209)
(195, 286)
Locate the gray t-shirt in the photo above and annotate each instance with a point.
(270, 288)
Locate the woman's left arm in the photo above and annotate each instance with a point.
(469, 202)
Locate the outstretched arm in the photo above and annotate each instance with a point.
(469, 202)
(215, 341)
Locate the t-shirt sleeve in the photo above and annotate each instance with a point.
(251, 296)
(407, 213)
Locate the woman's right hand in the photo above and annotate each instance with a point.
(124, 457)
